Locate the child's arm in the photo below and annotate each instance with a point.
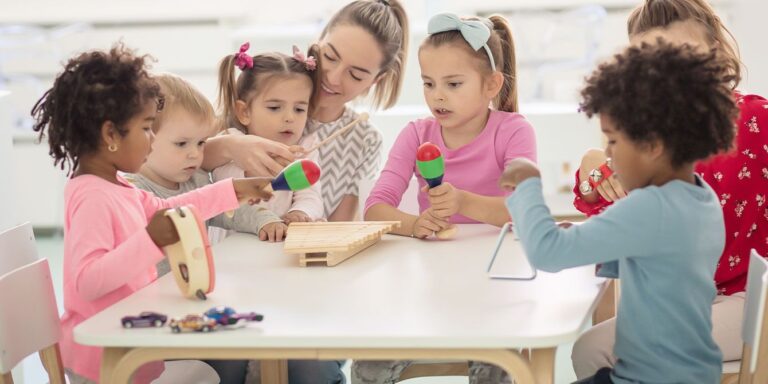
(421, 226)
(485, 209)
(627, 228)
(210, 200)
(447, 200)
(246, 219)
(386, 194)
(94, 263)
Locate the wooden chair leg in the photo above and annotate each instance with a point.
(6, 378)
(729, 378)
(606, 308)
(274, 371)
(745, 377)
(51, 359)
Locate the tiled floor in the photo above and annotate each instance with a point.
(31, 372)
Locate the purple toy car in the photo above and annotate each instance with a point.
(144, 320)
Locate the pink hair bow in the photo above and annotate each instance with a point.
(309, 62)
(242, 59)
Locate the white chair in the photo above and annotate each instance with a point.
(29, 317)
(754, 362)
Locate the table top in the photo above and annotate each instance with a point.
(400, 293)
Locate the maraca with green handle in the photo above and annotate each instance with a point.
(431, 165)
(298, 175)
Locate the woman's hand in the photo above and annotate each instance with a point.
(262, 157)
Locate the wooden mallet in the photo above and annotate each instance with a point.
(362, 118)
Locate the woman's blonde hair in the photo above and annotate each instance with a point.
(387, 22)
(661, 13)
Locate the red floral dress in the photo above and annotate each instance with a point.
(740, 179)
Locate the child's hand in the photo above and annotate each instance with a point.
(517, 171)
(273, 232)
(296, 217)
(445, 200)
(251, 189)
(427, 224)
(161, 229)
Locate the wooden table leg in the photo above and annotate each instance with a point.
(109, 360)
(274, 371)
(543, 365)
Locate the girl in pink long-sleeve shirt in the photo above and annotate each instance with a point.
(462, 77)
(98, 118)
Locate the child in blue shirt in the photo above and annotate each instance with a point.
(662, 107)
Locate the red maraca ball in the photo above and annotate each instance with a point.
(311, 170)
(427, 152)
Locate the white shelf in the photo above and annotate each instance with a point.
(136, 11)
(533, 5)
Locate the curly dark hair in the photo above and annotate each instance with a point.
(94, 87)
(672, 93)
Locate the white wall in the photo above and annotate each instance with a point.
(190, 38)
(748, 26)
(7, 198)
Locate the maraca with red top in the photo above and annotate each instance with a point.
(301, 174)
(429, 161)
(431, 165)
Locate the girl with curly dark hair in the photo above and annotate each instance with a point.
(98, 118)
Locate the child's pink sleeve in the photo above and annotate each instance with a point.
(398, 170)
(99, 267)
(209, 200)
(516, 139)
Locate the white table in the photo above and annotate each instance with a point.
(400, 299)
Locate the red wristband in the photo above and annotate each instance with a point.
(598, 175)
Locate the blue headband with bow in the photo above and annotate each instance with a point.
(475, 32)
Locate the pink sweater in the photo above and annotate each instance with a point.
(475, 167)
(108, 254)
